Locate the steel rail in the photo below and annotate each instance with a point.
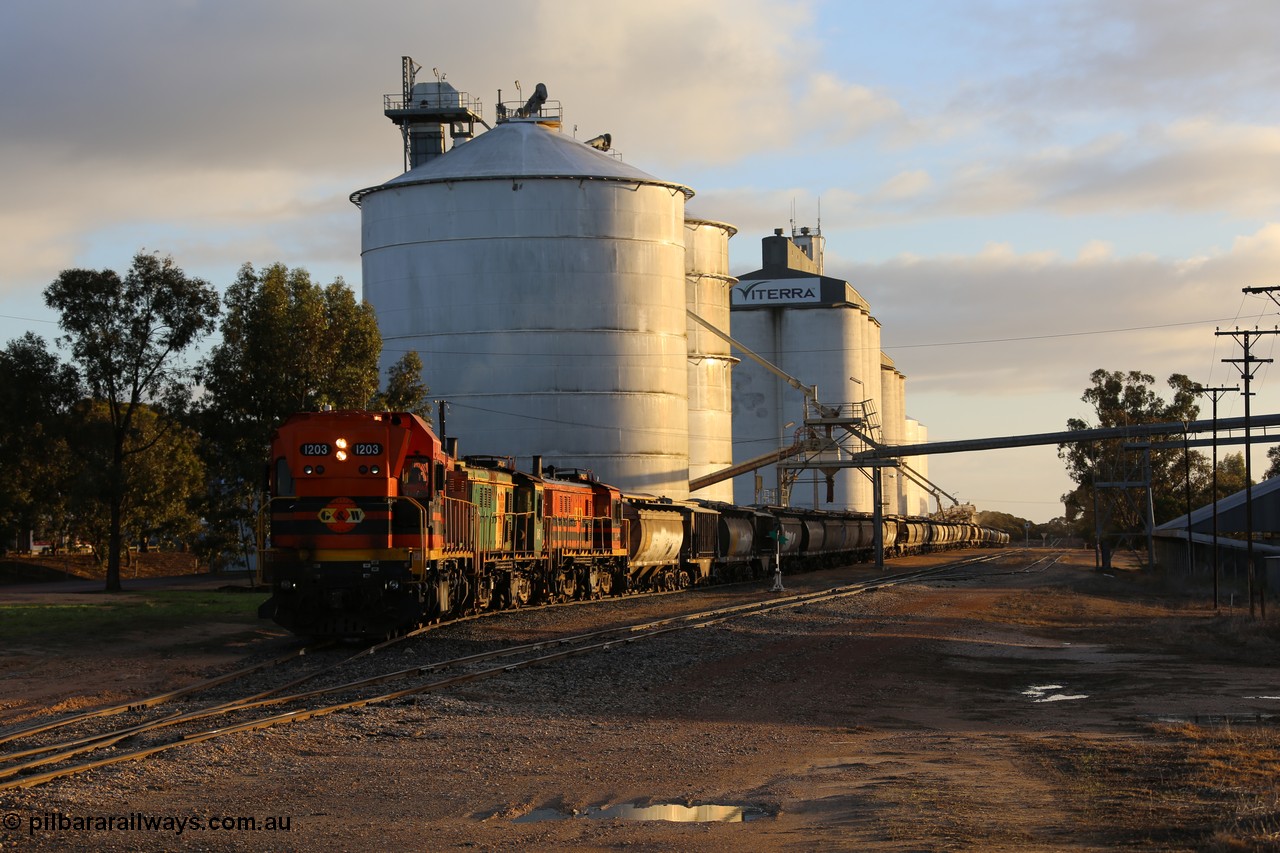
(88, 743)
(157, 699)
(622, 634)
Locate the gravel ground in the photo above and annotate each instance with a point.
(897, 720)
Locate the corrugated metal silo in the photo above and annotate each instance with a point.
(917, 498)
(543, 283)
(710, 359)
(893, 426)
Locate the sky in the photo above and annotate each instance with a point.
(1024, 192)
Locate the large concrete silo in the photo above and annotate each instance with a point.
(543, 283)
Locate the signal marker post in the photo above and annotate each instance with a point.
(778, 538)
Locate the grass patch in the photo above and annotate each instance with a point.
(114, 617)
(1179, 787)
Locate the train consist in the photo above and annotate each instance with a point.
(373, 525)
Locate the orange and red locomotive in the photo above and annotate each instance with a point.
(372, 525)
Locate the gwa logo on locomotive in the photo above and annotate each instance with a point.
(341, 515)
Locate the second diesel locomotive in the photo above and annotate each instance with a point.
(374, 525)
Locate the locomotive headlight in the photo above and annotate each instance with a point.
(341, 455)
(341, 444)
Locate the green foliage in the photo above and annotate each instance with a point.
(127, 336)
(35, 396)
(162, 482)
(405, 390)
(1011, 524)
(288, 345)
(1273, 457)
(1127, 399)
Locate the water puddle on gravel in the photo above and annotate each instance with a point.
(1047, 693)
(662, 811)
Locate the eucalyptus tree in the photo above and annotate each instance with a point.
(128, 335)
(163, 483)
(405, 390)
(1128, 399)
(36, 397)
(288, 344)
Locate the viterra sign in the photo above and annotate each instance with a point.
(777, 291)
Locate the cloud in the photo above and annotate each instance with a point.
(904, 186)
(845, 111)
(1190, 166)
(1085, 59)
(1001, 323)
(149, 117)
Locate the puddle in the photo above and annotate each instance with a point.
(1046, 693)
(674, 812)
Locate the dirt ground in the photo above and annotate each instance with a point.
(1032, 708)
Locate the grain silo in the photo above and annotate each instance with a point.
(543, 283)
(816, 328)
(893, 394)
(710, 361)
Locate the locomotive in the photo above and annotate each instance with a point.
(374, 525)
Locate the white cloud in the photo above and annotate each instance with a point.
(1190, 166)
(1005, 323)
(842, 111)
(1094, 252)
(904, 186)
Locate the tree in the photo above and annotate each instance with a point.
(1003, 521)
(162, 484)
(1127, 399)
(288, 345)
(405, 390)
(1231, 477)
(35, 397)
(128, 335)
(1273, 457)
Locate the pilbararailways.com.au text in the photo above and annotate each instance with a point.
(59, 822)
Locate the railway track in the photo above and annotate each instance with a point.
(47, 761)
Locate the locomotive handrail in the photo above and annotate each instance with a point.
(423, 521)
(512, 522)
(593, 532)
(459, 517)
(262, 530)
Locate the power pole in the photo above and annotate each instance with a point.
(1215, 394)
(1248, 366)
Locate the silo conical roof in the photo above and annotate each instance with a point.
(522, 149)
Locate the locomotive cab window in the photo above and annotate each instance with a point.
(415, 479)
